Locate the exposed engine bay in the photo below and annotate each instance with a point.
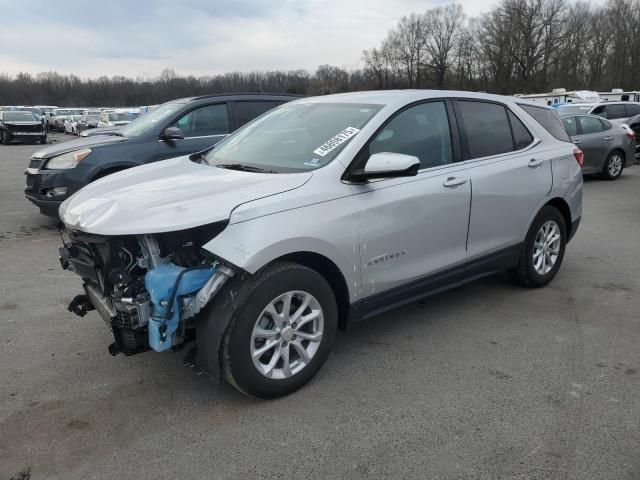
(147, 288)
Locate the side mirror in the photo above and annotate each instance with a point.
(387, 165)
(172, 133)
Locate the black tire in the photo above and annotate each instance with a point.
(43, 139)
(6, 138)
(525, 273)
(253, 297)
(610, 173)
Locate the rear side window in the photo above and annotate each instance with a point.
(486, 127)
(590, 125)
(549, 119)
(421, 131)
(204, 121)
(247, 111)
(633, 109)
(570, 125)
(611, 111)
(521, 136)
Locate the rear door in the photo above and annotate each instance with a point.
(592, 141)
(242, 112)
(202, 127)
(510, 178)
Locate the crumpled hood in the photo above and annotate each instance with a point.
(167, 196)
(77, 144)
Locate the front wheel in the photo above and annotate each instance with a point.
(282, 331)
(613, 166)
(543, 249)
(6, 138)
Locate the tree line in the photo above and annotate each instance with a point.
(519, 46)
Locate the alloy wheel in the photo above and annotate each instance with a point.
(546, 247)
(614, 167)
(287, 334)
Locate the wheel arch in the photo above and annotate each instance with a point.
(562, 206)
(331, 273)
(103, 172)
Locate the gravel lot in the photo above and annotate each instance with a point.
(487, 381)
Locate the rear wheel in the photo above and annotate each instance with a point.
(282, 331)
(613, 166)
(543, 249)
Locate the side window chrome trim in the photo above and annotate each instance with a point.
(503, 156)
(202, 136)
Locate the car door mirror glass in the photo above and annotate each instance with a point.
(172, 133)
(387, 165)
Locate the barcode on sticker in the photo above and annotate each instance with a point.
(336, 141)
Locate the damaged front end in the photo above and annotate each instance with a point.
(147, 288)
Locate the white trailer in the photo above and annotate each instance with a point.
(559, 96)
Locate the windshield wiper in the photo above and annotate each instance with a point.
(243, 168)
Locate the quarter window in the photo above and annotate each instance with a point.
(421, 131)
(204, 121)
(521, 136)
(486, 127)
(549, 119)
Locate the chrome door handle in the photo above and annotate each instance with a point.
(533, 163)
(454, 182)
(577, 141)
(608, 138)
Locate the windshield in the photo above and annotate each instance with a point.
(564, 109)
(93, 114)
(147, 122)
(19, 117)
(293, 137)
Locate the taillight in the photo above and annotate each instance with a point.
(631, 135)
(579, 154)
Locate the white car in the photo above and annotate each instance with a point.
(71, 123)
(320, 213)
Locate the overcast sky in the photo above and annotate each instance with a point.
(199, 37)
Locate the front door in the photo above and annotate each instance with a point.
(412, 231)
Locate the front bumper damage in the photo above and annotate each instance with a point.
(158, 315)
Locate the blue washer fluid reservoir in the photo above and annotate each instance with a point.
(160, 283)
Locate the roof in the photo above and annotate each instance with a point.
(239, 94)
(402, 97)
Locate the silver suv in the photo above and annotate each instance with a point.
(320, 213)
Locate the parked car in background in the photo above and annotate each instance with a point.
(615, 112)
(21, 126)
(88, 120)
(100, 131)
(117, 118)
(59, 115)
(323, 212)
(608, 148)
(176, 128)
(70, 123)
(37, 111)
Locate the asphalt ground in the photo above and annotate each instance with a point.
(488, 381)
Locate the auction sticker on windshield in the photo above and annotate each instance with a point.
(335, 142)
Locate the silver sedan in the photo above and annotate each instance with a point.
(608, 148)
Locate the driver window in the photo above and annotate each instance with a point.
(421, 131)
(204, 121)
